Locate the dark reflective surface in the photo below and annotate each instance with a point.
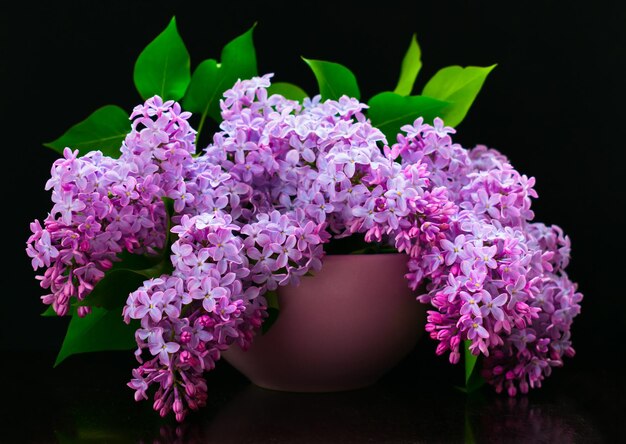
(85, 400)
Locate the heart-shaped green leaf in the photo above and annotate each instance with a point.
(162, 68)
(210, 79)
(459, 86)
(287, 90)
(104, 130)
(334, 80)
(100, 330)
(389, 111)
(411, 65)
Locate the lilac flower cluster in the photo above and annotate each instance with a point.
(254, 209)
(493, 277)
(279, 181)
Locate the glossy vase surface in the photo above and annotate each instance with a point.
(341, 329)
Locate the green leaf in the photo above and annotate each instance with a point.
(169, 209)
(272, 299)
(270, 320)
(239, 58)
(136, 262)
(457, 85)
(411, 65)
(470, 361)
(211, 79)
(389, 111)
(476, 382)
(100, 330)
(468, 431)
(347, 245)
(473, 379)
(113, 289)
(162, 68)
(334, 80)
(273, 310)
(103, 130)
(49, 312)
(287, 90)
(203, 88)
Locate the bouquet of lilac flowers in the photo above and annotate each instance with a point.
(176, 250)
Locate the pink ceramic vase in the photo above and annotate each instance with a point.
(341, 329)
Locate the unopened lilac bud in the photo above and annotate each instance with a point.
(454, 357)
(206, 321)
(185, 357)
(191, 403)
(185, 337)
(190, 389)
(178, 406)
(523, 386)
(512, 390)
(83, 311)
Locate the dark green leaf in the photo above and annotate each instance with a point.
(469, 432)
(166, 264)
(112, 291)
(347, 245)
(162, 68)
(49, 312)
(473, 379)
(169, 209)
(475, 383)
(470, 360)
(389, 111)
(211, 79)
(411, 65)
(129, 261)
(203, 88)
(334, 80)
(287, 90)
(103, 130)
(273, 310)
(270, 320)
(459, 86)
(100, 330)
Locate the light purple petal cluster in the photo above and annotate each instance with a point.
(494, 278)
(106, 206)
(253, 211)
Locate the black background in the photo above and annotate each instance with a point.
(554, 105)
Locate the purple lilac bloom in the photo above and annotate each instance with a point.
(515, 267)
(254, 208)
